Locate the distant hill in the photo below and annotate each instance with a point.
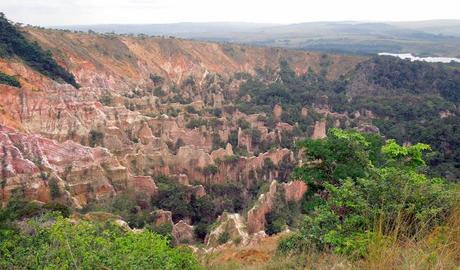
(439, 27)
(436, 38)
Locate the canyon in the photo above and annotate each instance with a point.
(149, 107)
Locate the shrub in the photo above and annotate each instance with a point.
(90, 245)
(9, 80)
(191, 109)
(363, 195)
(196, 123)
(159, 92)
(243, 124)
(162, 229)
(217, 112)
(201, 230)
(223, 238)
(217, 142)
(96, 138)
(233, 138)
(174, 197)
(106, 100)
(55, 191)
(210, 170)
(156, 79)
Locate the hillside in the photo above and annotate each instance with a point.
(432, 38)
(198, 139)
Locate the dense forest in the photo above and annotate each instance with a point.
(410, 101)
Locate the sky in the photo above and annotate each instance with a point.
(71, 12)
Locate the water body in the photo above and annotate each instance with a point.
(426, 59)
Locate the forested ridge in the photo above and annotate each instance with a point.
(409, 101)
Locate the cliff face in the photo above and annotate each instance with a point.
(130, 104)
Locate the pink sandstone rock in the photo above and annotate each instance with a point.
(319, 131)
(294, 191)
(183, 233)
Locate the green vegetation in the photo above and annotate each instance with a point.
(34, 236)
(88, 245)
(55, 191)
(202, 211)
(364, 191)
(284, 215)
(13, 42)
(159, 92)
(156, 79)
(180, 199)
(223, 238)
(210, 170)
(96, 138)
(418, 95)
(409, 101)
(106, 100)
(9, 80)
(196, 123)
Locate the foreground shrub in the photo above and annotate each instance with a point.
(361, 195)
(87, 245)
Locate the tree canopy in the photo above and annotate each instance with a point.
(365, 189)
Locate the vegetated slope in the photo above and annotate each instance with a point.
(13, 43)
(409, 101)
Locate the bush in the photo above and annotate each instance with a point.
(88, 245)
(159, 92)
(210, 170)
(96, 138)
(55, 191)
(172, 196)
(243, 124)
(201, 230)
(156, 79)
(18, 209)
(362, 195)
(9, 80)
(191, 109)
(162, 229)
(196, 123)
(223, 238)
(217, 112)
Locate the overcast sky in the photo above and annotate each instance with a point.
(63, 12)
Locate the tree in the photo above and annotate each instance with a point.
(342, 154)
(362, 195)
